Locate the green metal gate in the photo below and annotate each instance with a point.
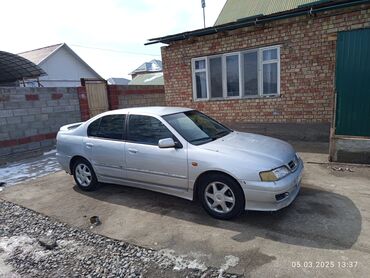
(353, 83)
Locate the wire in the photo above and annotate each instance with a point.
(115, 50)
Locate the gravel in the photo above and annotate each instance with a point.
(76, 252)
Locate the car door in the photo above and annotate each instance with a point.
(106, 147)
(148, 163)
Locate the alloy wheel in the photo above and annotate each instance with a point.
(83, 174)
(219, 197)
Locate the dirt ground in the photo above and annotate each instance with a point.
(325, 232)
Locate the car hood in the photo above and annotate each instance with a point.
(249, 146)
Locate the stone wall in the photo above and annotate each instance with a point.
(31, 117)
(308, 49)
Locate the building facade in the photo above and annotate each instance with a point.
(276, 78)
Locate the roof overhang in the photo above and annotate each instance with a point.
(306, 9)
(14, 67)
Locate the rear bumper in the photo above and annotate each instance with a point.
(64, 161)
(272, 196)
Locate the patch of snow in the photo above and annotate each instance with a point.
(181, 262)
(50, 152)
(157, 75)
(154, 66)
(32, 168)
(230, 261)
(25, 244)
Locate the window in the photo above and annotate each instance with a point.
(110, 127)
(250, 73)
(147, 130)
(232, 75)
(200, 79)
(215, 65)
(250, 60)
(270, 72)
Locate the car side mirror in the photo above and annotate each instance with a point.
(166, 143)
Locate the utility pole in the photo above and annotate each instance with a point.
(204, 13)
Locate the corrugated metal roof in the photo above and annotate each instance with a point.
(38, 55)
(148, 79)
(238, 9)
(14, 67)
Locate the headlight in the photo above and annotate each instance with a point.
(275, 174)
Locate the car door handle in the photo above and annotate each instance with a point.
(89, 145)
(132, 150)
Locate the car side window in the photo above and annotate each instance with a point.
(146, 130)
(110, 127)
(93, 128)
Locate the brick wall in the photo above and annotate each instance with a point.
(30, 117)
(308, 47)
(135, 95)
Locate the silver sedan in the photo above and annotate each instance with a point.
(182, 152)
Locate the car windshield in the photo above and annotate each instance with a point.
(196, 127)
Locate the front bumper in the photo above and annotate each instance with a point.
(272, 196)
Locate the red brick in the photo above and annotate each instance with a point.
(56, 96)
(26, 140)
(4, 98)
(32, 97)
(307, 68)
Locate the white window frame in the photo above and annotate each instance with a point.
(194, 79)
(272, 61)
(242, 95)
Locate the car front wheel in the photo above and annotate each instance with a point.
(84, 175)
(221, 196)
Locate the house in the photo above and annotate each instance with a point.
(118, 81)
(148, 79)
(63, 66)
(148, 67)
(291, 69)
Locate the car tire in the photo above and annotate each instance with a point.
(84, 175)
(221, 196)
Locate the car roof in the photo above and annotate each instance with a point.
(150, 110)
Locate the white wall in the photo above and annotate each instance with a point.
(64, 70)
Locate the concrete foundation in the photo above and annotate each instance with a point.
(350, 149)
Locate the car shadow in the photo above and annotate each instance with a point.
(317, 218)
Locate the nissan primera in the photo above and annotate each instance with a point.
(182, 152)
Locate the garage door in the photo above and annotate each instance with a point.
(353, 83)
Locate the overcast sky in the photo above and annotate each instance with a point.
(122, 26)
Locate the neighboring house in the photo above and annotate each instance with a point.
(148, 79)
(276, 67)
(118, 81)
(63, 66)
(148, 67)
